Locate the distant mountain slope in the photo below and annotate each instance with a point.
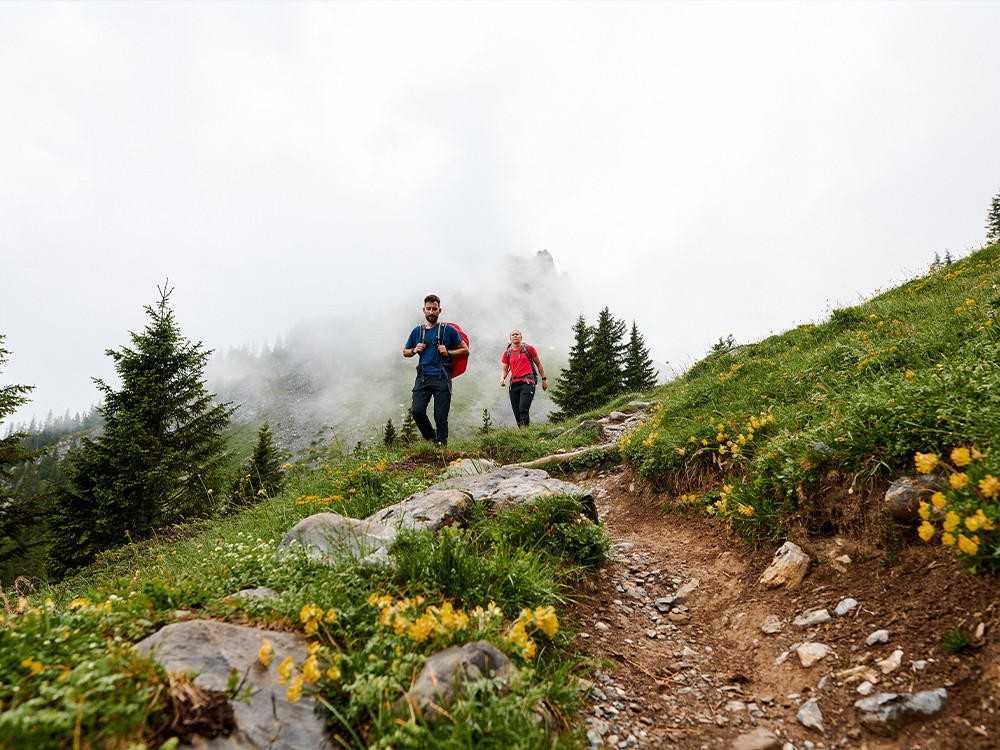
(341, 378)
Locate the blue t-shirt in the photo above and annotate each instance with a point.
(431, 358)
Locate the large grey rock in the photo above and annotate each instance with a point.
(426, 510)
(902, 499)
(590, 425)
(465, 467)
(515, 486)
(789, 568)
(331, 537)
(446, 673)
(887, 713)
(211, 649)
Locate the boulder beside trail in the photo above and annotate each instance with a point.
(511, 486)
(789, 568)
(328, 536)
(445, 673)
(427, 510)
(210, 650)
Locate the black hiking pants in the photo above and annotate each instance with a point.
(521, 395)
(424, 388)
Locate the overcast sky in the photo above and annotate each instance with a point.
(704, 168)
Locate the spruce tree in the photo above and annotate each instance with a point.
(487, 426)
(638, 374)
(261, 476)
(571, 391)
(159, 459)
(408, 431)
(389, 434)
(607, 358)
(993, 220)
(16, 513)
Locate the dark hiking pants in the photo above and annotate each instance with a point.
(521, 395)
(424, 388)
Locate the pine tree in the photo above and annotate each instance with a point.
(16, 513)
(408, 432)
(261, 476)
(159, 459)
(607, 357)
(487, 426)
(993, 220)
(389, 433)
(638, 374)
(571, 391)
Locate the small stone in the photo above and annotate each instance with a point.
(879, 636)
(788, 569)
(602, 626)
(811, 617)
(886, 713)
(686, 590)
(865, 688)
(810, 653)
(810, 716)
(892, 663)
(845, 606)
(772, 624)
(758, 739)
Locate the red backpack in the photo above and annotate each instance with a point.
(458, 364)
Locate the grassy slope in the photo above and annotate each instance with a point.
(909, 371)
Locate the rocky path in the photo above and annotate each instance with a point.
(694, 653)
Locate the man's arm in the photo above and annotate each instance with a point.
(409, 351)
(461, 350)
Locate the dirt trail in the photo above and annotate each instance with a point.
(695, 670)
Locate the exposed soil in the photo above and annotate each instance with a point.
(705, 676)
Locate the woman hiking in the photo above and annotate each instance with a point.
(521, 361)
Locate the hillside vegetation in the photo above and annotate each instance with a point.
(751, 436)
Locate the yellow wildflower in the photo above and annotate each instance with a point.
(265, 653)
(961, 457)
(285, 670)
(33, 664)
(979, 521)
(959, 480)
(948, 539)
(976, 455)
(310, 672)
(967, 546)
(333, 673)
(421, 629)
(331, 616)
(547, 621)
(926, 531)
(529, 649)
(925, 511)
(939, 500)
(294, 689)
(925, 462)
(951, 521)
(989, 486)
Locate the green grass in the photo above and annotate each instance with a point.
(65, 650)
(910, 370)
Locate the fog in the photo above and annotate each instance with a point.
(702, 168)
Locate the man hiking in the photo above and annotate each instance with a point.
(522, 361)
(437, 344)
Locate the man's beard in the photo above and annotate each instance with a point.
(431, 317)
